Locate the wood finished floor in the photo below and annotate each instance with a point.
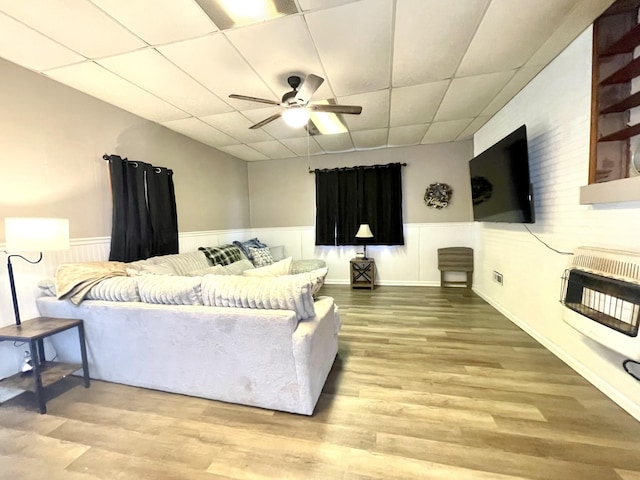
(429, 383)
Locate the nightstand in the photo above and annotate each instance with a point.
(363, 273)
(44, 372)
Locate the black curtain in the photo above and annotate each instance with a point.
(348, 197)
(144, 221)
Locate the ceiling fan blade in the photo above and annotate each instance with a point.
(308, 88)
(351, 109)
(254, 99)
(265, 121)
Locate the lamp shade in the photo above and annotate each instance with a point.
(295, 116)
(30, 234)
(364, 231)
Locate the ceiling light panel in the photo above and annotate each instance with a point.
(468, 96)
(31, 49)
(272, 149)
(237, 126)
(375, 110)
(431, 37)
(416, 104)
(370, 139)
(76, 24)
(407, 135)
(335, 143)
(302, 146)
(198, 130)
(91, 78)
(357, 35)
(233, 13)
(151, 71)
(244, 152)
(441, 132)
(277, 49)
(510, 32)
(159, 21)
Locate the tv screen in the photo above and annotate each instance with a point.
(500, 186)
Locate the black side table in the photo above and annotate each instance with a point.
(363, 273)
(44, 372)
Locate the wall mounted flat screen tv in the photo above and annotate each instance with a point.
(500, 186)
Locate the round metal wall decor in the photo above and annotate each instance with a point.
(438, 195)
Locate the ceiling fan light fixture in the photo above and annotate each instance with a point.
(295, 116)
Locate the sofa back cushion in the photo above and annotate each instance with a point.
(170, 289)
(115, 289)
(182, 263)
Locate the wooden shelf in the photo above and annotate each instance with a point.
(621, 134)
(625, 74)
(50, 373)
(626, 44)
(622, 105)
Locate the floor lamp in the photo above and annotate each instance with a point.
(28, 234)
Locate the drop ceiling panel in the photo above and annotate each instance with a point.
(243, 152)
(170, 21)
(431, 37)
(317, 4)
(151, 71)
(198, 130)
(91, 78)
(370, 139)
(272, 149)
(277, 49)
(416, 104)
(237, 126)
(517, 83)
(31, 49)
(215, 63)
(302, 146)
(473, 127)
(354, 43)
(510, 33)
(76, 24)
(440, 132)
(407, 135)
(468, 96)
(340, 142)
(375, 110)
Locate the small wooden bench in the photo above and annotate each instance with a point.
(455, 259)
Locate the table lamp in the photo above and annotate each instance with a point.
(364, 232)
(29, 234)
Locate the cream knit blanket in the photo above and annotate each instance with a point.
(74, 280)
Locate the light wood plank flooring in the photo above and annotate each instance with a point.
(429, 383)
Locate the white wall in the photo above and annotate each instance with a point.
(555, 106)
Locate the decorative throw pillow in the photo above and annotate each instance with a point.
(252, 242)
(261, 256)
(223, 255)
(277, 269)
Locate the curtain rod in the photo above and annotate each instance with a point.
(352, 168)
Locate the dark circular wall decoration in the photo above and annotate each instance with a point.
(438, 195)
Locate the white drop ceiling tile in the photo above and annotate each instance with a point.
(198, 130)
(510, 32)
(340, 142)
(224, 72)
(573, 25)
(30, 49)
(406, 135)
(468, 96)
(440, 132)
(159, 21)
(151, 71)
(243, 152)
(319, 4)
(473, 127)
(94, 80)
(302, 146)
(370, 139)
(431, 37)
(354, 43)
(523, 76)
(416, 104)
(237, 126)
(375, 110)
(277, 49)
(272, 149)
(76, 24)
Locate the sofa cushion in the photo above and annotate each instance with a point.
(116, 289)
(277, 253)
(170, 290)
(315, 277)
(307, 265)
(283, 267)
(271, 293)
(222, 255)
(211, 270)
(261, 256)
(235, 268)
(182, 263)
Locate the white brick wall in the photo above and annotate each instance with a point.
(555, 106)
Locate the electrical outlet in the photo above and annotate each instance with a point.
(497, 277)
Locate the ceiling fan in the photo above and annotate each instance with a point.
(296, 102)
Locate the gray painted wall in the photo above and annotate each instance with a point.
(283, 191)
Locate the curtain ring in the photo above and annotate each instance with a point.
(157, 169)
(134, 164)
